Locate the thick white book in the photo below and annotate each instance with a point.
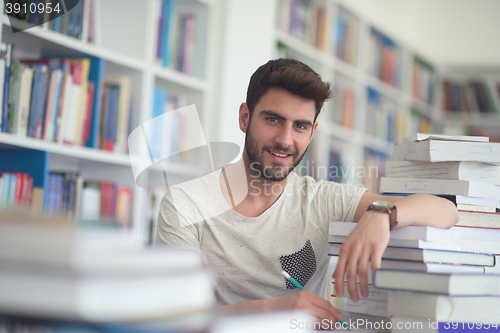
(433, 256)
(478, 233)
(428, 136)
(105, 252)
(413, 243)
(479, 209)
(480, 239)
(425, 233)
(442, 308)
(443, 151)
(486, 246)
(475, 171)
(438, 283)
(406, 265)
(98, 298)
(462, 199)
(478, 219)
(440, 186)
(365, 307)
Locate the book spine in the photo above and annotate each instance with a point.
(88, 118)
(42, 105)
(110, 139)
(3, 114)
(35, 97)
(6, 86)
(25, 101)
(13, 96)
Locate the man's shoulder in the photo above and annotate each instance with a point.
(195, 189)
(206, 180)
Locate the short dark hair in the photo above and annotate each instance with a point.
(293, 76)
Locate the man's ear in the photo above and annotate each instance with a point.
(315, 126)
(244, 117)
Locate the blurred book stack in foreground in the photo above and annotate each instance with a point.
(52, 271)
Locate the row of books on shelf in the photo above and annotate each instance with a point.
(474, 96)
(168, 132)
(385, 59)
(423, 80)
(384, 120)
(77, 19)
(430, 274)
(16, 189)
(381, 116)
(346, 43)
(106, 201)
(305, 20)
(175, 36)
(69, 195)
(65, 101)
(343, 105)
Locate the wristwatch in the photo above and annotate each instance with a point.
(386, 207)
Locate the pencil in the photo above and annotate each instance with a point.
(298, 285)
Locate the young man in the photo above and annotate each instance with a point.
(255, 218)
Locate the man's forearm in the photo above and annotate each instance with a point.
(425, 209)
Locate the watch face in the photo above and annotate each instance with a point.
(384, 204)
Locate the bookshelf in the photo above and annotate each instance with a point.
(470, 100)
(383, 90)
(127, 46)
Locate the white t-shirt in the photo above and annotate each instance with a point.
(248, 254)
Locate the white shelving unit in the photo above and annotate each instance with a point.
(352, 143)
(127, 45)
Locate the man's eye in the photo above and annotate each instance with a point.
(272, 119)
(302, 127)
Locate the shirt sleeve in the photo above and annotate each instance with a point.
(344, 200)
(176, 223)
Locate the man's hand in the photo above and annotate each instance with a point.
(301, 300)
(366, 243)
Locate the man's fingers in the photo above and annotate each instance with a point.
(352, 270)
(325, 305)
(376, 260)
(363, 274)
(339, 272)
(319, 307)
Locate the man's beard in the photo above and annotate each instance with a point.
(255, 161)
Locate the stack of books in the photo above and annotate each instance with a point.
(432, 302)
(463, 169)
(52, 271)
(15, 189)
(418, 249)
(460, 290)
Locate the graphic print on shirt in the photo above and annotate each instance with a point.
(301, 265)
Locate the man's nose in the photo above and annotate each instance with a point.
(285, 136)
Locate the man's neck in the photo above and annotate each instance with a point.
(248, 194)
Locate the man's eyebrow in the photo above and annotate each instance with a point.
(277, 115)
